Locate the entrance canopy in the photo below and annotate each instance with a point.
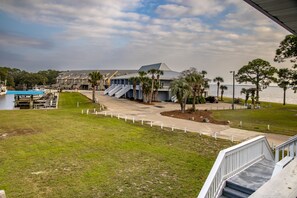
(283, 12)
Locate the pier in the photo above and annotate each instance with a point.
(35, 100)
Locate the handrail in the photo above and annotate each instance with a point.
(122, 91)
(287, 145)
(114, 90)
(109, 88)
(232, 160)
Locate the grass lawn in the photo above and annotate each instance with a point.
(62, 153)
(282, 119)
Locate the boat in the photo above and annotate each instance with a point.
(3, 89)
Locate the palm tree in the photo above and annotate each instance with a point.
(152, 72)
(205, 83)
(284, 80)
(195, 81)
(223, 88)
(134, 81)
(181, 89)
(158, 73)
(247, 94)
(146, 88)
(253, 91)
(218, 80)
(142, 75)
(94, 79)
(203, 73)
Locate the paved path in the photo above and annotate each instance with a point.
(151, 113)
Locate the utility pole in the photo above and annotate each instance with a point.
(233, 97)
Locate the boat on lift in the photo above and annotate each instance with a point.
(3, 89)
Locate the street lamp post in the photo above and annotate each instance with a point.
(233, 96)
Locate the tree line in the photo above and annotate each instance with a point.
(261, 74)
(258, 72)
(19, 79)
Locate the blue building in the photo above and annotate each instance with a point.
(121, 86)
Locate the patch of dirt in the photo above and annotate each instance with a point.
(198, 116)
(16, 132)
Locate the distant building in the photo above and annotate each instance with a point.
(121, 86)
(79, 79)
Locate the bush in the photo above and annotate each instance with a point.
(237, 100)
(199, 100)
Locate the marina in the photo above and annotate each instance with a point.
(28, 100)
(3, 88)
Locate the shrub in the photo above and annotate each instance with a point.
(237, 100)
(199, 100)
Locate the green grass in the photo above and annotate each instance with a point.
(282, 119)
(62, 153)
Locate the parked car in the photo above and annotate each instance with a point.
(211, 99)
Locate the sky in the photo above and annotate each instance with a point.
(213, 35)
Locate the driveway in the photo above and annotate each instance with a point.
(151, 114)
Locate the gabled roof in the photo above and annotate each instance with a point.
(283, 12)
(157, 66)
(84, 74)
(167, 75)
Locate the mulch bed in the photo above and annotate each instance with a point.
(198, 116)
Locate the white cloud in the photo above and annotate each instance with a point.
(179, 8)
(111, 33)
(172, 10)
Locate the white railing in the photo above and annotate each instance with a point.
(124, 90)
(109, 88)
(290, 146)
(232, 160)
(114, 90)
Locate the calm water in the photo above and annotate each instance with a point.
(271, 94)
(6, 102)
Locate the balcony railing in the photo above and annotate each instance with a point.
(290, 146)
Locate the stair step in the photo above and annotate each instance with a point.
(239, 188)
(229, 192)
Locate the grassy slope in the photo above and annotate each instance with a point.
(282, 119)
(61, 153)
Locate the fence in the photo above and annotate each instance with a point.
(152, 123)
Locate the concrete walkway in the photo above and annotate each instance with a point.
(151, 113)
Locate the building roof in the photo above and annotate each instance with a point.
(84, 74)
(283, 12)
(167, 75)
(157, 66)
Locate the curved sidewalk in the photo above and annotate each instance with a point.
(151, 113)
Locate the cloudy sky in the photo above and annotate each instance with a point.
(213, 35)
